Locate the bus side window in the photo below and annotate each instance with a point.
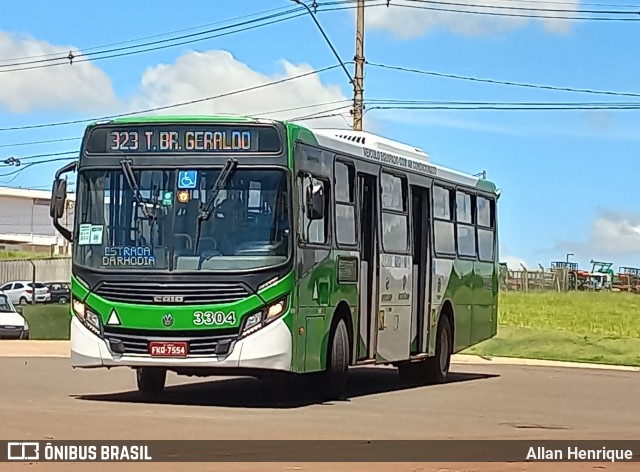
(465, 221)
(345, 184)
(486, 217)
(443, 229)
(395, 228)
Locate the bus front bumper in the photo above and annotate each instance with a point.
(269, 348)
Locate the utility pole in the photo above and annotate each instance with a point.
(358, 86)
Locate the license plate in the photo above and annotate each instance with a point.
(168, 349)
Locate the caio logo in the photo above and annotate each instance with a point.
(168, 299)
(23, 451)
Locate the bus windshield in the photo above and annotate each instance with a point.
(158, 219)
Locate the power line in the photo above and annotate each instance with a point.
(251, 115)
(517, 106)
(537, 2)
(46, 141)
(518, 15)
(127, 50)
(37, 156)
(257, 115)
(175, 105)
(588, 4)
(317, 114)
(92, 48)
(424, 6)
(273, 112)
(503, 82)
(31, 164)
(533, 9)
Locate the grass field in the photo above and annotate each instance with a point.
(20, 255)
(47, 321)
(578, 326)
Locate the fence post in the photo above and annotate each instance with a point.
(33, 280)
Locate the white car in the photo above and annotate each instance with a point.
(21, 292)
(12, 323)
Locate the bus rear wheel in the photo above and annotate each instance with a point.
(333, 382)
(435, 369)
(151, 380)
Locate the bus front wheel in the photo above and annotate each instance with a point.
(151, 380)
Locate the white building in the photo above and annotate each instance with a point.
(25, 223)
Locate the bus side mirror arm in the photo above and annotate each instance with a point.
(58, 200)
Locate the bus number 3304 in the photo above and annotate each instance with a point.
(209, 318)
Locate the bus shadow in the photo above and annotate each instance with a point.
(285, 393)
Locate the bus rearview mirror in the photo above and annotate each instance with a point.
(58, 198)
(315, 202)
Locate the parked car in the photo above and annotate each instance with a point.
(21, 292)
(12, 323)
(60, 292)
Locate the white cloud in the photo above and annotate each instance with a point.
(615, 233)
(408, 22)
(81, 86)
(203, 74)
(195, 75)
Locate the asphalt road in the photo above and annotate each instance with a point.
(44, 398)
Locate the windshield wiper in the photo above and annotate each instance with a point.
(131, 180)
(204, 212)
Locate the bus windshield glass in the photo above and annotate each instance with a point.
(166, 219)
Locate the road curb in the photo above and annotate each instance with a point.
(488, 360)
(62, 349)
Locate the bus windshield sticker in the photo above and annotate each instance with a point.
(85, 234)
(167, 199)
(187, 179)
(90, 234)
(96, 234)
(128, 256)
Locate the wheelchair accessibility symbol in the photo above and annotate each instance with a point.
(187, 179)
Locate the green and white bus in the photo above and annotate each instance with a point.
(237, 246)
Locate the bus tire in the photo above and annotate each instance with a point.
(151, 380)
(437, 368)
(334, 380)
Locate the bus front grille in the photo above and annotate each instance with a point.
(136, 342)
(166, 293)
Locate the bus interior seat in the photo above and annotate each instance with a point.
(256, 248)
(187, 262)
(160, 253)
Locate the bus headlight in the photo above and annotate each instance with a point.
(90, 319)
(252, 323)
(261, 318)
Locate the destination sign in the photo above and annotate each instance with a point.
(184, 139)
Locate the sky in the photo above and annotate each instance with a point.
(568, 177)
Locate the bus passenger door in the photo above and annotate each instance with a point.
(421, 261)
(367, 202)
(396, 272)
